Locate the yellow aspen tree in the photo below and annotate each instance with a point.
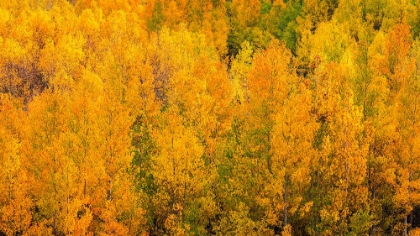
(268, 83)
(209, 17)
(329, 42)
(404, 179)
(313, 13)
(114, 152)
(189, 91)
(371, 90)
(343, 153)
(179, 172)
(262, 84)
(15, 202)
(50, 166)
(240, 67)
(292, 148)
(395, 63)
(84, 108)
(392, 72)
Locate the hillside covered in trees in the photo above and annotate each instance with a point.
(209, 117)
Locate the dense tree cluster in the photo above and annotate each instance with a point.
(212, 117)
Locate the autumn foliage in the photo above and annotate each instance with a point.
(222, 117)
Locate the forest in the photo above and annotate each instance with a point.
(209, 117)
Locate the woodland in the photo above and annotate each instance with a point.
(209, 117)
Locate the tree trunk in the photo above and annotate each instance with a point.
(285, 200)
(411, 219)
